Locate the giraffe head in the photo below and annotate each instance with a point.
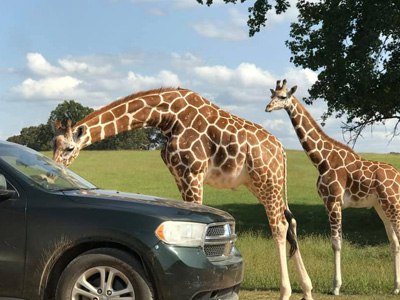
(66, 142)
(281, 97)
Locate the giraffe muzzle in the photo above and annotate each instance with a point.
(268, 108)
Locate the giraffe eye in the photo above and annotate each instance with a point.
(69, 149)
(282, 97)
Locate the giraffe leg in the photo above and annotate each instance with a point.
(191, 187)
(394, 243)
(333, 207)
(305, 281)
(271, 199)
(279, 228)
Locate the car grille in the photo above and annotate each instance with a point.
(219, 240)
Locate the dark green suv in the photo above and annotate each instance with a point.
(63, 238)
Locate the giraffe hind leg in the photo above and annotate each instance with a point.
(280, 221)
(394, 243)
(305, 281)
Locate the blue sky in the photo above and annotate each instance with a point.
(99, 50)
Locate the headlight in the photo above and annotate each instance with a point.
(181, 233)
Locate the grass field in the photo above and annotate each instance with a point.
(366, 256)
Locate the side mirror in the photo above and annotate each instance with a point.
(4, 193)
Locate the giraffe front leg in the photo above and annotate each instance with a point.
(334, 210)
(192, 187)
(337, 277)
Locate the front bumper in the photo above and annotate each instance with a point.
(184, 273)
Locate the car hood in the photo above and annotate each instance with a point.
(170, 209)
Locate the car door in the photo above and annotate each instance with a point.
(12, 240)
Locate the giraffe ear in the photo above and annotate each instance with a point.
(56, 125)
(80, 131)
(272, 91)
(293, 90)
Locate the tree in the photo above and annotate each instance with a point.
(69, 110)
(35, 137)
(354, 45)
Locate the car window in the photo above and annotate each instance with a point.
(40, 170)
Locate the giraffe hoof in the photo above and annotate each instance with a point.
(334, 292)
(396, 291)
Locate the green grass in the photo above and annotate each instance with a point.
(366, 256)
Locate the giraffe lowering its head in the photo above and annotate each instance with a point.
(66, 144)
(205, 144)
(345, 179)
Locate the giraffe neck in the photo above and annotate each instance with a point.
(313, 139)
(120, 116)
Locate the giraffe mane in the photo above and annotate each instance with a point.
(320, 131)
(124, 99)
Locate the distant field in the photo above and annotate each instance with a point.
(366, 256)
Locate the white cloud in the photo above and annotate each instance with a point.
(186, 61)
(184, 4)
(273, 124)
(163, 79)
(48, 88)
(157, 12)
(232, 108)
(90, 79)
(249, 81)
(245, 75)
(219, 30)
(73, 66)
(235, 29)
(237, 17)
(40, 66)
(215, 73)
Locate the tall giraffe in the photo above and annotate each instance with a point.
(205, 144)
(345, 179)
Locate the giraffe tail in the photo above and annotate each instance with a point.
(291, 234)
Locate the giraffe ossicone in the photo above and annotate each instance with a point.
(345, 179)
(205, 144)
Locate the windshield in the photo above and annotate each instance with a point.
(40, 170)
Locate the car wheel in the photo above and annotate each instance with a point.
(104, 274)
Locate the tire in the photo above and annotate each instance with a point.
(127, 274)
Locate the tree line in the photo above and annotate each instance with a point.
(39, 137)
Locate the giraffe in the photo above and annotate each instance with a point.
(345, 179)
(205, 144)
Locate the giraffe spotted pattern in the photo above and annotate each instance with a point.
(345, 179)
(205, 144)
